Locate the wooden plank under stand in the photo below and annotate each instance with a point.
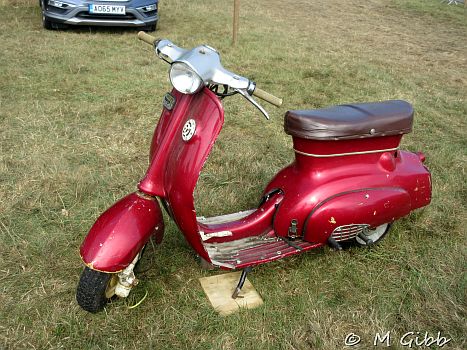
(219, 290)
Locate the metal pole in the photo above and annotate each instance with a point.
(236, 20)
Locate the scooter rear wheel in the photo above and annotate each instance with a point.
(375, 235)
(94, 290)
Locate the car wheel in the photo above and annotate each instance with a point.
(47, 24)
(150, 28)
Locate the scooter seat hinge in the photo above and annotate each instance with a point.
(292, 234)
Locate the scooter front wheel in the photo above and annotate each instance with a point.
(373, 235)
(95, 288)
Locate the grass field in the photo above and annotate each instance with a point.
(77, 109)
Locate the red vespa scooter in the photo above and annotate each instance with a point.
(348, 183)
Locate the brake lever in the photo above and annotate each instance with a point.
(245, 94)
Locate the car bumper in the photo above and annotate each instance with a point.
(80, 16)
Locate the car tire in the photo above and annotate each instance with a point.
(47, 24)
(150, 28)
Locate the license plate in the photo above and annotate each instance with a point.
(107, 9)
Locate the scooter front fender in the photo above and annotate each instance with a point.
(121, 232)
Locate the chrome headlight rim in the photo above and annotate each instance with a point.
(184, 78)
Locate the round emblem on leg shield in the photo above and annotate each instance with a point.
(188, 129)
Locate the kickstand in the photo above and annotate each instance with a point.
(241, 282)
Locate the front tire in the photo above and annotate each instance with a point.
(94, 290)
(46, 23)
(150, 28)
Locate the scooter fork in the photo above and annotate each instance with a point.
(126, 280)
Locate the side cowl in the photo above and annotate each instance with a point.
(121, 232)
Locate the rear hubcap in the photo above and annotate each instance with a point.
(374, 234)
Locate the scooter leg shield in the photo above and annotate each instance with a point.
(121, 232)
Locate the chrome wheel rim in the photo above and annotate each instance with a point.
(374, 234)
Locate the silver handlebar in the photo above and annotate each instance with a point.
(205, 61)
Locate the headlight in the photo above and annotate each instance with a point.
(184, 79)
(147, 8)
(60, 4)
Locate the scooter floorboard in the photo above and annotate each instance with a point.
(254, 250)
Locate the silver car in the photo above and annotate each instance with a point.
(124, 13)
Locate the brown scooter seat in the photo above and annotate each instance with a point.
(351, 121)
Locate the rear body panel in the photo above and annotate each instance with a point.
(348, 182)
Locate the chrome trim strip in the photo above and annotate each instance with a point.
(111, 22)
(344, 154)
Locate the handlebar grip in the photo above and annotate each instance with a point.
(266, 96)
(147, 38)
